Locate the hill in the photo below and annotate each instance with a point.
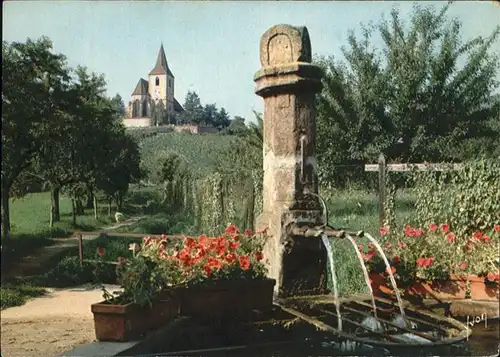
(199, 151)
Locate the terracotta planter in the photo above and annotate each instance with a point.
(127, 322)
(226, 296)
(453, 288)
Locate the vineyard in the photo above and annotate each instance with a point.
(198, 151)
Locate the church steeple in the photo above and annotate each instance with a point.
(161, 66)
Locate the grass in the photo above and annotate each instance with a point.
(29, 217)
(17, 295)
(356, 210)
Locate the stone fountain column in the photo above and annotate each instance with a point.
(288, 83)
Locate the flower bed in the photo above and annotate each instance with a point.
(202, 275)
(435, 262)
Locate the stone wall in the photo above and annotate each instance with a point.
(138, 122)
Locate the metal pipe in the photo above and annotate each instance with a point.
(328, 231)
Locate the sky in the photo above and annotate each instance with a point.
(212, 47)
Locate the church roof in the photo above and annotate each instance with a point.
(141, 88)
(161, 66)
(177, 107)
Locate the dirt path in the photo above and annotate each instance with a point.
(50, 325)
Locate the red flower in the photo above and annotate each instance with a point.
(425, 262)
(402, 245)
(214, 263)
(496, 227)
(190, 242)
(369, 255)
(234, 245)
(230, 258)
(492, 277)
(396, 259)
(244, 261)
(418, 232)
(360, 247)
(231, 229)
(259, 256)
(478, 235)
(393, 270)
(463, 266)
(248, 232)
(445, 228)
(207, 270)
(384, 231)
(101, 251)
(408, 231)
(204, 241)
(450, 237)
(388, 245)
(433, 227)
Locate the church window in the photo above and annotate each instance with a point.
(157, 81)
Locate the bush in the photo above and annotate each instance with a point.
(467, 199)
(68, 272)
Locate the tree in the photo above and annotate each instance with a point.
(209, 115)
(72, 150)
(222, 119)
(33, 89)
(410, 100)
(193, 111)
(236, 127)
(158, 112)
(118, 105)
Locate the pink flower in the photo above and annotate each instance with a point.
(433, 227)
(445, 228)
(450, 237)
(384, 231)
(463, 266)
(496, 228)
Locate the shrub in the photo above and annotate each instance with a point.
(468, 199)
(16, 295)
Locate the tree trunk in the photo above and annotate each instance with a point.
(73, 211)
(54, 204)
(120, 200)
(79, 207)
(95, 207)
(5, 215)
(90, 200)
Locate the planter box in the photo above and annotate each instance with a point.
(226, 297)
(127, 322)
(454, 288)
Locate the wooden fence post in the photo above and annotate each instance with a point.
(80, 248)
(381, 188)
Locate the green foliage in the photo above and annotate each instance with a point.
(411, 99)
(203, 150)
(17, 295)
(195, 113)
(68, 272)
(467, 199)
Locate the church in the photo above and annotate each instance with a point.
(155, 95)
